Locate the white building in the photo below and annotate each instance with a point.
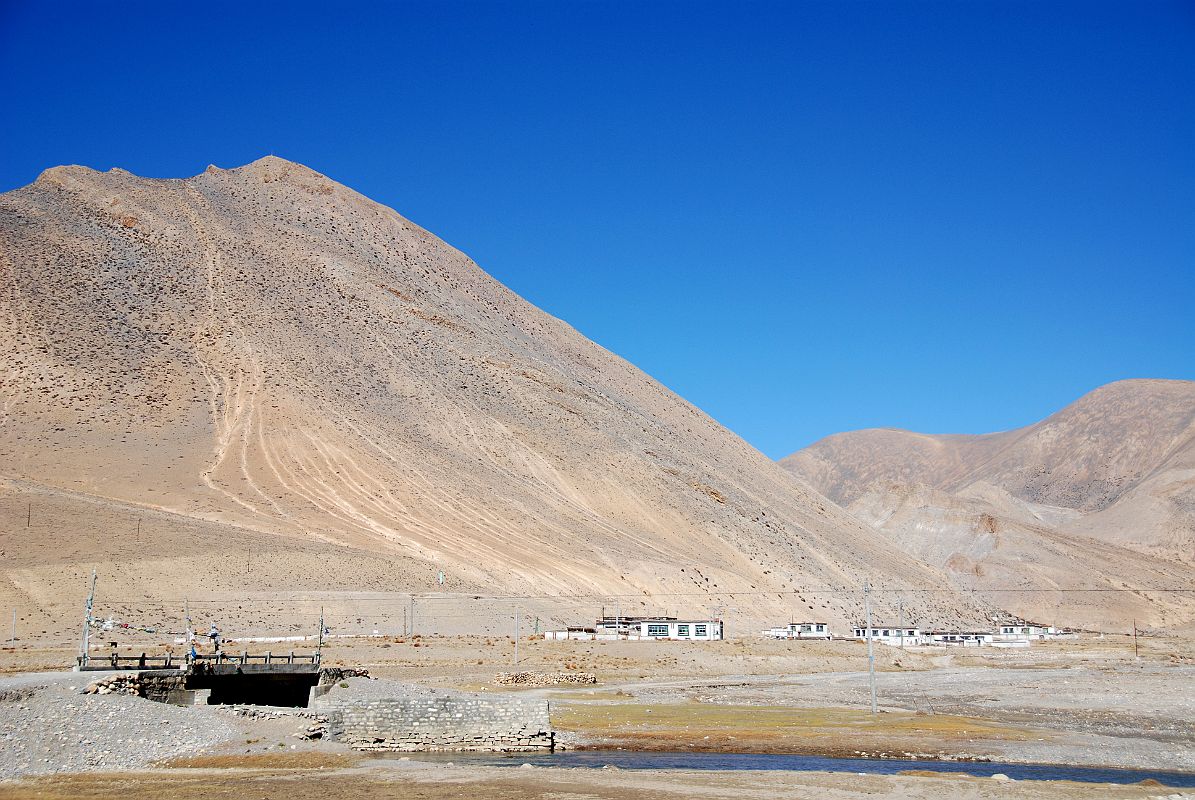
(1026, 630)
(891, 634)
(574, 632)
(800, 630)
(641, 628)
(704, 630)
(959, 638)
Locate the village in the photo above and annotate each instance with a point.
(1013, 633)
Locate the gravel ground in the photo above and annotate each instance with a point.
(1127, 714)
(48, 726)
(379, 689)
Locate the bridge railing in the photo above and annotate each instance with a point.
(117, 661)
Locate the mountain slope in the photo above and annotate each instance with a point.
(1130, 444)
(1100, 495)
(265, 350)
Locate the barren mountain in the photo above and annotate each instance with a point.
(259, 360)
(1127, 445)
(1102, 491)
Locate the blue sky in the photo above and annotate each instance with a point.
(802, 217)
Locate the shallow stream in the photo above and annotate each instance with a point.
(627, 759)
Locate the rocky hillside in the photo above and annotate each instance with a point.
(261, 352)
(1100, 494)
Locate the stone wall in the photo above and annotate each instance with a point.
(545, 678)
(461, 722)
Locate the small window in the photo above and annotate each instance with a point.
(887, 633)
(657, 630)
(699, 630)
(910, 633)
(682, 630)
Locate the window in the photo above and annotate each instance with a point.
(910, 633)
(821, 627)
(682, 630)
(886, 633)
(657, 630)
(699, 630)
(1024, 630)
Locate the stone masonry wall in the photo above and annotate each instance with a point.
(442, 723)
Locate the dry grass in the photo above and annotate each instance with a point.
(767, 729)
(288, 761)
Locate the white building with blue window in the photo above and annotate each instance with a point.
(702, 630)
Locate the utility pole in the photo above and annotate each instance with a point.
(248, 558)
(404, 622)
(87, 623)
(138, 528)
(871, 659)
(14, 628)
(189, 634)
(412, 615)
(900, 604)
(29, 515)
(516, 636)
(1135, 653)
(319, 648)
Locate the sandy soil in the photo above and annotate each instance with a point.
(432, 782)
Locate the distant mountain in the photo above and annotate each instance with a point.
(1104, 489)
(301, 390)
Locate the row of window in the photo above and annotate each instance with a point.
(885, 632)
(681, 630)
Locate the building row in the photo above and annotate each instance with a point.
(635, 628)
(644, 628)
(1014, 634)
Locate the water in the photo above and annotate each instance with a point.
(629, 759)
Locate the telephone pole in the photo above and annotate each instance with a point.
(190, 636)
(86, 644)
(1136, 654)
(900, 604)
(871, 659)
(516, 636)
(319, 648)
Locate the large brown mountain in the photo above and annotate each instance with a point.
(1103, 490)
(258, 381)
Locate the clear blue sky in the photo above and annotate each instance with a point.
(804, 218)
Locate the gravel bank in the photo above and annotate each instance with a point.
(48, 726)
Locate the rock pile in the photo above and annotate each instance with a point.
(117, 684)
(337, 674)
(544, 678)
